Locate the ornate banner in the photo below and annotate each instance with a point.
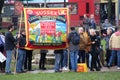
(18, 7)
(46, 28)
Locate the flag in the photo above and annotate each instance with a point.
(18, 7)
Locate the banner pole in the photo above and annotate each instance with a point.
(68, 44)
(18, 43)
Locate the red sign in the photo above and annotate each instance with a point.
(48, 27)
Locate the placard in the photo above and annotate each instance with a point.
(2, 57)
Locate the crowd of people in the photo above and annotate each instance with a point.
(89, 48)
(11, 45)
(84, 46)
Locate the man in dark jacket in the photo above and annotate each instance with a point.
(28, 60)
(42, 59)
(9, 46)
(73, 50)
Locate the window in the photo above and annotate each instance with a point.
(87, 8)
(73, 8)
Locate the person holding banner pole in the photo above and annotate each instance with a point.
(18, 11)
(9, 47)
(18, 43)
(21, 55)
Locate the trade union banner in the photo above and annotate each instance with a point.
(46, 28)
(18, 7)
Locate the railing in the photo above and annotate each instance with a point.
(98, 23)
(73, 23)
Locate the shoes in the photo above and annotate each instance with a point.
(91, 69)
(43, 68)
(108, 67)
(3, 71)
(100, 66)
(21, 71)
(40, 68)
(65, 68)
(24, 71)
(97, 69)
(30, 70)
(8, 73)
(58, 71)
(118, 68)
(73, 71)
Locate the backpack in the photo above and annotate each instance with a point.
(75, 38)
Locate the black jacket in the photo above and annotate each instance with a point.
(9, 41)
(22, 40)
(94, 47)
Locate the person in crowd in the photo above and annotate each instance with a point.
(82, 45)
(87, 48)
(94, 50)
(42, 59)
(28, 60)
(115, 47)
(92, 23)
(74, 49)
(99, 49)
(86, 22)
(58, 59)
(105, 26)
(21, 52)
(2, 42)
(9, 47)
(108, 51)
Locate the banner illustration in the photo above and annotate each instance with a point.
(46, 28)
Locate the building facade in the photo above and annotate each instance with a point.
(77, 9)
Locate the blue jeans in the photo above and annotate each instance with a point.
(20, 60)
(113, 54)
(58, 57)
(65, 58)
(118, 58)
(8, 61)
(90, 60)
(73, 60)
